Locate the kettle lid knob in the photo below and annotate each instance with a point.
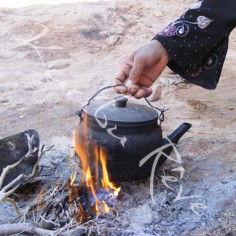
(121, 101)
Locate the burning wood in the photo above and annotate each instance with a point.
(102, 192)
(69, 205)
(92, 198)
(61, 209)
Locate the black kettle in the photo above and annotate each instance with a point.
(127, 132)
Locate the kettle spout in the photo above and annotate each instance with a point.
(176, 135)
(173, 138)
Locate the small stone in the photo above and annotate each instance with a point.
(125, 224)
(7, 87)
(8, 54)
(105, 33)
(30, 87)
(112, 40)
(171, 81)
(19, 103)
(4, 100)
(44, 80)
(58, 64)
(231, 233)
(158, 13)
(164, 81)
(178, 80)
(148, 25)
(118, 30)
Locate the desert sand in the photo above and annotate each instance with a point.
(54, 58)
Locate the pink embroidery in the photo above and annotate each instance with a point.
(181, 27)
(168, 31)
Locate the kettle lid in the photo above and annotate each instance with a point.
(121, 111)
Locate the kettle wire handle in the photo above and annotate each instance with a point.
(81, 111)
(161, 111)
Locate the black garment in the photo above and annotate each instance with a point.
(198, 41)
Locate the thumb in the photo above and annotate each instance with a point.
(136, 70)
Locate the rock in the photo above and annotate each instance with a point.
(105, 33)
(44, 80)
(6, 54)
(4, 100)
(58, 64)
(175, 80)
(19, 103)
(12, 149)
(156, 93)
(76, 232)
(112, 40)
(119, 30)
(170, 81)
(8, 87)
(231, 233)
(148, 25)
(30, 87)
(158, 13)
(164, 81)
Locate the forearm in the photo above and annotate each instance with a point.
(197, 42)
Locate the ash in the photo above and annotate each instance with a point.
(208, 178)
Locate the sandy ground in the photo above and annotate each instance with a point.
(53, 58)
(26, 3)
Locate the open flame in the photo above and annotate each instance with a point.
(95, 175)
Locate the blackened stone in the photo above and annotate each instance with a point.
(13, 148)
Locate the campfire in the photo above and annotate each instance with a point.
(102, 192)
(95, 196)
(80, 200)
(69, 205)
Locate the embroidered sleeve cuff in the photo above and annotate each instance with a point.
(197, 43)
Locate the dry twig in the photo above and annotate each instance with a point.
(42, 153)
(8, 229)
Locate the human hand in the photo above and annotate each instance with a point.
(141, 69)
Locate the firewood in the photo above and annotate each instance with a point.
(9, 187)
(9, 229)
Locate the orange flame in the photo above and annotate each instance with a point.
(72, 189)
(107, 185)
(91, 176)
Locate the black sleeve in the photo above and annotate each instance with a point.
(198, 41)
